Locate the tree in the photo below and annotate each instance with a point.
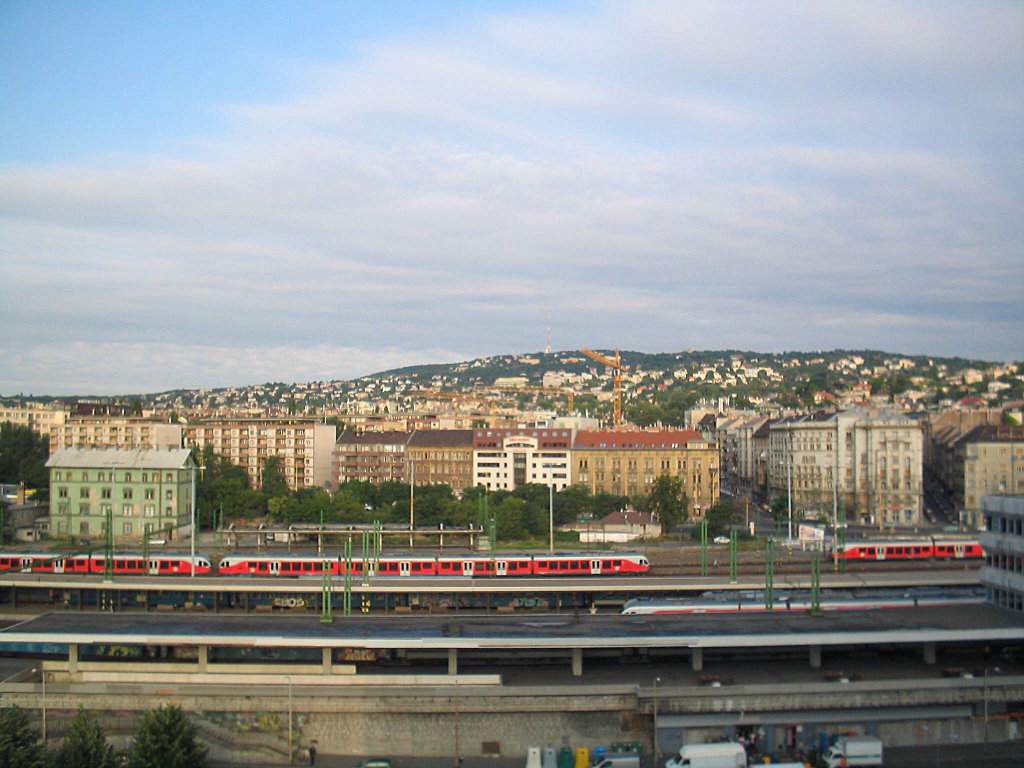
(274, 483)
(669, 500)
(18, 747)
(23, 455)
(85, 745)
(166, 739)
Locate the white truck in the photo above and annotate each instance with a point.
(728, 754)
(854, 752)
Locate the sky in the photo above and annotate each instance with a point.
(219, 193)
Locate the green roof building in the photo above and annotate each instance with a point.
(143, 491)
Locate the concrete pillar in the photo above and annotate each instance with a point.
(327, 657)
(453, 662)
(73, 658)
(929, 653)
(577, 662)
(815, 657)
(203, 657)
(698, 659)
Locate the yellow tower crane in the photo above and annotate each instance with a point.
(615, 363)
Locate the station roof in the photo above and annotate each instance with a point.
(966, 623)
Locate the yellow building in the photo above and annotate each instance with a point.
(628, 463)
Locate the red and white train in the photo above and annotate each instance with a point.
(124, 562)
(410, 565)
(929, 548)
(421, 566)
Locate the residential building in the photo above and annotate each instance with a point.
(36, 416)
(624, 525)
(440, 456)
(876, 454)
(992, 461)
(141, 491)
(504, 459)
(373, 457)
(303, 446)
(627, 463)
(84, 430)
(1003, 540)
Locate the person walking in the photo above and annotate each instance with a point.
(312, 754)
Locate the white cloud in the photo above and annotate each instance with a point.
(642, 169)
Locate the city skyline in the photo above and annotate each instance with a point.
(201, 196)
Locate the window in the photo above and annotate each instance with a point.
(149, 510)
(127, 477)
(62, 492)
(127, 494)
(83, 493)
(104, 493)
(150, 494)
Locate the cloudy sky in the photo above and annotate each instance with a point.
(216, 193)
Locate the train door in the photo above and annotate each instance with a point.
(880, 553)
(275, 568)
(404, 569)
(501, 568)
(958, 551)
(58, 565)
(26, 564)
(154, 566)
(467, 567)
(595, 567)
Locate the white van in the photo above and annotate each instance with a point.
(729, 754)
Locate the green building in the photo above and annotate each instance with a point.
(143, 491)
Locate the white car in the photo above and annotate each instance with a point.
(722, 539)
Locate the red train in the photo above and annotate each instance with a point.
(124, 562)
(411, 565)
(928, 548)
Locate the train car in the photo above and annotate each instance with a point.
(590, 564)
(911, 549)
(754, 603)
(421, 566)
(123, 563)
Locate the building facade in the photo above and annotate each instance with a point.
(372, 457)
(440, 456)
(866, 462)
(303, 447)
(140, 492)
(36, 416)
(628, 463)
(115, 431)
(505, 459)
(1003, 540)
(991, 461)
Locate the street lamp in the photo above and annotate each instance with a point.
(42, 674)
(551, 507)
(192, 568)
(657, 751)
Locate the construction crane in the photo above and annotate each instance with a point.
(615, 363)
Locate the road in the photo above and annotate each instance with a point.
(1001, 755)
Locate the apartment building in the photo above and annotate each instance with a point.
(115, 431)
(141, 491)
(373, 457)
(991, 461)
(504, 459)
(303, 447)
(1003, 540)
(36, 416)
(440, 456)
(628, 463)
(876, 455)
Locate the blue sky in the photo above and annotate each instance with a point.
(219, 193)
